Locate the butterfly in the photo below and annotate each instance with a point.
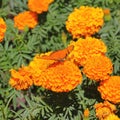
(59, 55)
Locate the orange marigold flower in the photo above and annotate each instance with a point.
(26, 19)
(62, 76)
(110, 89)
(107, 15)
(86, 113)
(98, 67)
(37, 66)
(85, 21)
(112, 117)
(20, 79)
(104, 109)
(106, 11)
(2, 29)
(85, 48)
(39, 6)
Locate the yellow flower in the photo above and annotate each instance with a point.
(39, 6)
(85, 48)
(112, 117)
(2, 29)
(104, 109)
(98, 67)
(85, 21)
(110, 89)
(61, 76)
(20, 79)
(26, 19)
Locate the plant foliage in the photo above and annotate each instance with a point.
(19, 48)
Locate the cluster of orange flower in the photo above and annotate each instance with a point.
(90, 54)
(27, 18)
(53, 75)
(2, 29)
(85, 48)
(59, 71)
(30, 18)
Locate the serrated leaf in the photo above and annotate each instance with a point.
(26, 56)
(28, 101)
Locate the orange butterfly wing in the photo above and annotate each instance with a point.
(60, 54)
(70, 48)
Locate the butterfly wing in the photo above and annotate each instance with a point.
(60, 54)
(70, 48)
